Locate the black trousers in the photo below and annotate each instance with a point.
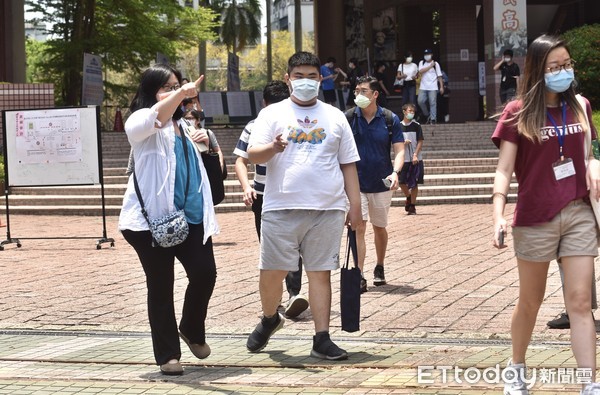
(199, 263)
(293, 280)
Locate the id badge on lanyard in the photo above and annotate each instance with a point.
(564, 167)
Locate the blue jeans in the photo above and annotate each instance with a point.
(424, 97)
(409, 94)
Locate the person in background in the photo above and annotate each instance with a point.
(431, 83)
(541, 136)
(375, 137)
(155, 131)
(510, 76)
(383, 90)
(311, 160)
(408, 73)
(354, 72)
(413, 145)
(330, 74)
(274, 92)
(195, 118)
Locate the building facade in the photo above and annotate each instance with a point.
(466, 36)
(283, 16)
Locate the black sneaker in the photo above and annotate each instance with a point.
(363, 285)
(407, 204)
(412, 210)
(259, 338)
(378, 276)
(562, 322)
(324, 348)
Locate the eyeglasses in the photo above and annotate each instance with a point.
(556, 69)
(168, 87)
(362, 91)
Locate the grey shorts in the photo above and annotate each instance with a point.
(572, 232)
(313, 234)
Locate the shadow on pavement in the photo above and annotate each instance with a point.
(392, 289)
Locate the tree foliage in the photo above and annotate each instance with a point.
(584, 43)
(253, 62)
(240, 23)
(128, 34)
(240, 28)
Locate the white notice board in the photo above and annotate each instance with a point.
(57, 146)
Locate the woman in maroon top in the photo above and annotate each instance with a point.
(541, 138)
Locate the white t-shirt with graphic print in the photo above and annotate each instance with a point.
(307, 174)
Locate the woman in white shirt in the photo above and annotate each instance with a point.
(170, 177)
(408, 73)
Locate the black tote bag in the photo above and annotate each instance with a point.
(215, 176)
(350, 287)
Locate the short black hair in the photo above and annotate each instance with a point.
(153, 78)
(509, 52)
(330, 59)
(303, 59)
(354, 61)
(372, 81)
(275, 91)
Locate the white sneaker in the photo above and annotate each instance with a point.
(515, 374)
(591, 389)
(296, 305)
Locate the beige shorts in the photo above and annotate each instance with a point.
(375, 207)
(572, 232)
(313, 234)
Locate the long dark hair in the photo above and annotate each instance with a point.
(153, 78)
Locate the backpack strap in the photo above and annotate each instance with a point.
(389, 120)
(351, 117)
(388, 114)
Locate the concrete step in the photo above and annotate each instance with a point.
(432, 181)
(460, 163)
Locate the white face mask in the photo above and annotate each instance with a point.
(305, 89)
(362, 101)
(427, 57)
(507, 60)
(409, 59)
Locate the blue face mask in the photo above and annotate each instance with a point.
(558, 83)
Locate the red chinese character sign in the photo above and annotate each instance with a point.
(510, 27)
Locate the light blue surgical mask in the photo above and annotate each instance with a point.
(558, 83)
(410, 115)
(305, 89)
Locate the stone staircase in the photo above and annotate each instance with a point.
(460, 162)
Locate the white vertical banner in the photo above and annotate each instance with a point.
(92, 90)
(510, 27)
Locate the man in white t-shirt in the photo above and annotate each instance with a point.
(274, 92)
(310, 152)
(431, 78)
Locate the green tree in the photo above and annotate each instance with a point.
(37, 55)
(127, 33)
(240, 28)
(584, 42)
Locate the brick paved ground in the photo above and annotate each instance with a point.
(448, 301)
